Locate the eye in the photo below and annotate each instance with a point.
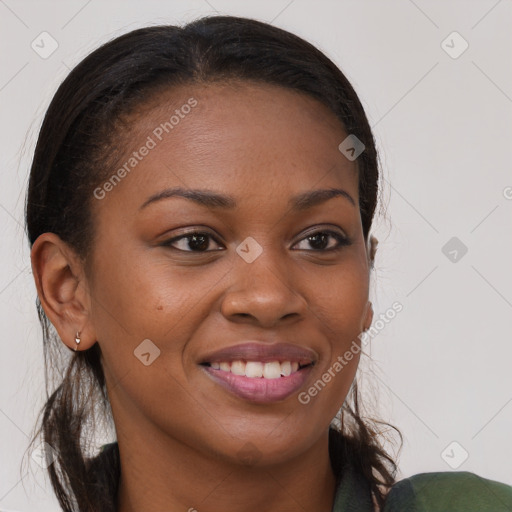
(199, 241)
(195, 241)
(325, 241)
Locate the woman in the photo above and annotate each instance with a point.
(199, 210)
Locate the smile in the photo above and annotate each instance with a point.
(259, 369)
(259, 381)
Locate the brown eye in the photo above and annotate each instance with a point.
(325, 241)
(191, 242)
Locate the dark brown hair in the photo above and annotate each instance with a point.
(74, 154)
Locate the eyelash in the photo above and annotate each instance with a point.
(341, 240)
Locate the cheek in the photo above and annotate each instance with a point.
(142, 297)
(339, 309)
(142, 315)
(138, 297)
(341, 301)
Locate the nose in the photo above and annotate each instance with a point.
(263, 293)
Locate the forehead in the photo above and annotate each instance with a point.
(237, 137)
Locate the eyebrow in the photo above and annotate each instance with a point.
(212, 199)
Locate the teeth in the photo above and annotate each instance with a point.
(286, 368)
(272, 370)
(257, 369)
(225, 366)
(254, 369)
(238, 367)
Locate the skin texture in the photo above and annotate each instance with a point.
(180, 434)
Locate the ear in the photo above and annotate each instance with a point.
(369, 316)
(371, 250)
(62, 289)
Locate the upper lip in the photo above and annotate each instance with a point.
(264, 352)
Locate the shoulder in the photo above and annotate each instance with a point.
(459, 491)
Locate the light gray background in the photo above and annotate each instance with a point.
(443, 126)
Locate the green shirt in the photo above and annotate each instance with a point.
(460, 491)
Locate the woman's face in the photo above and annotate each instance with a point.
(263, 269)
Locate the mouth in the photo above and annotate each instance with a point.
(260, 373)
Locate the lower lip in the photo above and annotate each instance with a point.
(260, 390)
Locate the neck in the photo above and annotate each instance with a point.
(160, 474)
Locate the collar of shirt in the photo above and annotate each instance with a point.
(353, 493)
